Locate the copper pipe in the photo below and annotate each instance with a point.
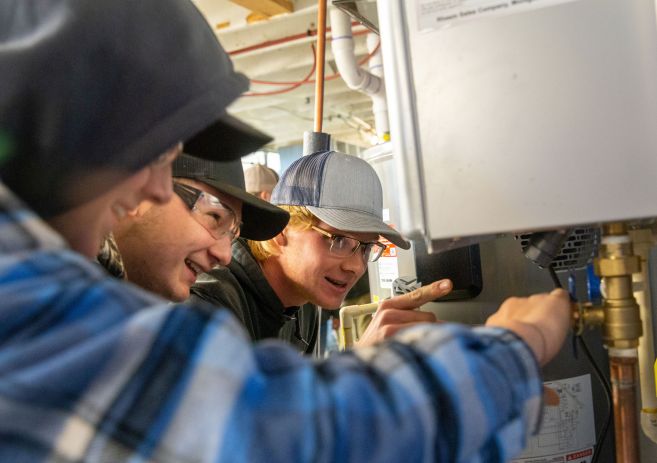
(623, 381)
(621, 332)
(321, 53)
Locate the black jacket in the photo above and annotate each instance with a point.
(243, 288)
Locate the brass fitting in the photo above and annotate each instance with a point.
(622, 328)
(586, 315)
(617, 260)
(622, 322)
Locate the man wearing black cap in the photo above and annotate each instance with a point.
(94, 369)
(164, 247)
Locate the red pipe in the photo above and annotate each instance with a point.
(289, 38)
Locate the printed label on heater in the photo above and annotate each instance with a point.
(437, 14)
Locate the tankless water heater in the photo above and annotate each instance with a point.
(520, 115)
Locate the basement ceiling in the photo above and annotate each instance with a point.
(279, 49)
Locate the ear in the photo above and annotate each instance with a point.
(281, 238)
(140, 210)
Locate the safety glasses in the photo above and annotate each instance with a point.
(217, 218)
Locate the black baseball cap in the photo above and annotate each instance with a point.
(260, 219)
(227, 138)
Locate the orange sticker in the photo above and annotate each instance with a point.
(390, 250)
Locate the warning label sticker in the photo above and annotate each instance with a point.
(388, 266)
(568, 430)
(438, 14)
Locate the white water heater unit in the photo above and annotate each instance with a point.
(520, 115)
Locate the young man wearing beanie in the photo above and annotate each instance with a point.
(96, 369)
(164, 247)
(260, 181)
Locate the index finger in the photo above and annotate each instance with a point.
(418, 297)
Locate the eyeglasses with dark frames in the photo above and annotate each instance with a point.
(208, 210)
(344, 246)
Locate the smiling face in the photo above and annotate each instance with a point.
(305, 270)
(85, 226)
(164, 247)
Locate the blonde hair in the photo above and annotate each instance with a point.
(300, 219)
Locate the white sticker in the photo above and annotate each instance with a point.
(437, 14)
(388, 270)
(568, 430)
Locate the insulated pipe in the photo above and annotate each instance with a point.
(342, 44)
(314, 142)
(643, 242)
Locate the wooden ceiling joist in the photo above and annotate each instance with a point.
(266, 7)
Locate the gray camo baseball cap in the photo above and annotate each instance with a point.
(340, 190)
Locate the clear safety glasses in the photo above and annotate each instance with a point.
(217, 218)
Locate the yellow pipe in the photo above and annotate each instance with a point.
(643, 241)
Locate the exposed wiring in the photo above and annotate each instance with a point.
(293, 85)
(555, 278)
(598, 373)
(291, 38)
(362, 61)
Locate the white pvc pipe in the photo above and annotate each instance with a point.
(347, 315)
(356, 78)
(342, 44)
(379, 101)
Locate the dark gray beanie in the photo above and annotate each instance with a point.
(89, 86)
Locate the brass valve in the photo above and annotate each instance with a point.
(619, 314)
(616, 264)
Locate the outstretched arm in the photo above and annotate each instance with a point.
(110, 378)
(400, 312)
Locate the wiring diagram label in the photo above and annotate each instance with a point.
(438, 14)
(568, 430)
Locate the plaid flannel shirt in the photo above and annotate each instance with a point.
(95, 369)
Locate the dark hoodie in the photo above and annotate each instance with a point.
(88, 85)
(243, 288)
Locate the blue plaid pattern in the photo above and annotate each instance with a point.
(94, 369)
